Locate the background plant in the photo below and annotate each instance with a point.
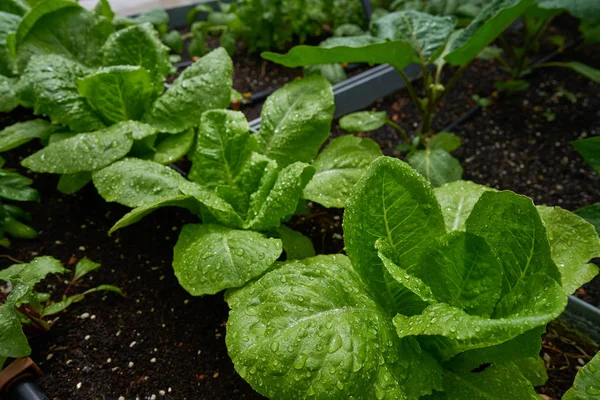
(25, 312)
(589, 149)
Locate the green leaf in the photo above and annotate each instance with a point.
(533, 368)
(8, 25)
(589, 149)
(173, 147)
(33, 272)
(197, 48)
(61, 28)
(138, 45)
(118, 93)
(205, 85)
(390, 201)
(457, 200)
(513, 227)
(209, 258)
(295, 121)
(585, 10)
(218, 209)
(200, 8)
(338, 167)
(13, 342)
(85, 151)
(134, 182)
(69, 184)
(8, 94)
(269, 207)
(357, 49)
(437, 165)
(334, 73)
(445, 141)
(296, 245)
(16, 7)
(363, 121)
(312, 327)
(84, 267)
(348, 30)
(426, 33)
(585, 70)
(103, 8)
(573, 242)
(14, 186)
(51, 87)
(587, 382)
(487, 26)
(174, 41)
(222, 148)
(591, 214)
(22, 132)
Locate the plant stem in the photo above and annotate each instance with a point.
(530, 41)
(412, 93)
(399, 129)
(37, 322)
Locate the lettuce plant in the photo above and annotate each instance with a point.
(243, 186)
(587, 382)
(402, 37)
(443, 293)
(25, 310)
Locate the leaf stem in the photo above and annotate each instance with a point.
(399, 129)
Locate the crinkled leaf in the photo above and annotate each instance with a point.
(134, 182)
(205, 85)
(85, 151)
(390, 201)
(363, 121)
(33, 272)
(573, 242)
(269, 208)
(14, 186)
(137, 45)
(338, 167)
(71, 183)
(457, 200)
(13, 342)
(591, 214)
(487, 26)
(296, 245)
(311, 328)
(426, 33)
(8, 94)
(587, 382)
(50, 84)
(173, 147)
(209, 258)
(589, 149)
(445, 141)
(356, 49)
(218, 209)
(437, 165)
(295, 121)
(119, 93)
(222, 148)
(22, 132)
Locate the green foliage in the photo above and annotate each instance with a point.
(587, 382)
(412, 299)
(223, 22)
(25, 307)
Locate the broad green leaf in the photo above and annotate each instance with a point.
(222, 148)
(9, 23)
(13, 342)
(22, 132)
(587, 382)
(118, 93)
(218, 209)
(14, 186)
(585, 70)
(334, 73)
(363, 121)
(62, 28)
(573, 242)
(134, 182)
(338, 167)
(8, 94)
(33, 272)
(137, 45)
(209, 258)
(437, 165)
(448, 331)
(357, 49)
(71, 183)
(457, 200)
(585, 10)
(502, 381)
(296, 245)
(390, 201)
(173, 147)
(84, 267)
(591, 214)
(295, 121)
(50, 83)
(513, 227)
(16, 7)
(85, 151)
(589, 149)
(533, 369)
(174, 41)
(487, 26)
(311, 328)
(270, 207)
(103, 8)
(426, 33)
(445, 141)
(205, 85)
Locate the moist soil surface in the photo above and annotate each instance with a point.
(160, 341)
